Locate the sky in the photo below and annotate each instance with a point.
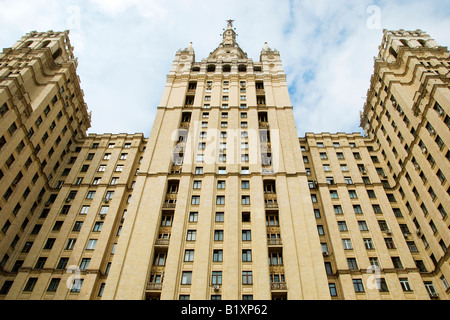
(125, 48)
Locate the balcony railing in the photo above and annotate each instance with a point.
(185, 124)
(162, 242)
(154, 286)
(274, 242)
(270, 200)
(176, 169)
(170, 201)
(278, 286)
(263, 124)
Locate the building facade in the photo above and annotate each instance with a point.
(223, 200)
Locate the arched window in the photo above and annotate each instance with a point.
(45, 44)
(211, 68)
(27, 44)
(392, 52)
(226, 68)
(422, 42)
(57, 54)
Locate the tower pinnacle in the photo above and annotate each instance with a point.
(228, 48)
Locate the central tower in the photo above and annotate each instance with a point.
(221, 207)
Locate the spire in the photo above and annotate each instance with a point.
(229, 35)
(228, 48)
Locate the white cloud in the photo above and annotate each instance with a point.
(125, 49)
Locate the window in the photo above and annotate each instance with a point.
(397, 262)
(358, 285)
(245, 200)
(338, 209)
(357, 209)
(275, 258)
(216, 277)
(221, 184)
(195, 200)
(247, 277)
(246, 255)
(200, 158)
(389, 243)
(218, 255)
(54, 283)
(197, 184)
(371, 194)
(219, 217)
(90, 195)
(84, 209)
(218, 235)
(342, 226)
(368, 244)
(245, 184)
(333, 291)
(85, 263)
(320, 230)
(30, 284)
(405, 284)
(334, 194)
(347, 244)
(70, 244)
(193, 216)
(189, 255)
(98, 226)
(381, 284)
(77, 226)
(246, 235)
(186, 277)
(40, 263)
(191, 234)
(220, 200)
(352, 194)
(91, 244)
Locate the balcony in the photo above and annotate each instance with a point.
(278, 286)
(274, 242)
(266, 147)
(176, 169)
(263, 124)
(162, 242)
(270, 200)
(267, 169)
(185, 124)
(170, 201)
(152, 286)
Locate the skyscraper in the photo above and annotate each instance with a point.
(223, 200)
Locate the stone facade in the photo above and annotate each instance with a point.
(223, 200)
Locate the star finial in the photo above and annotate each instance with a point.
(230, 23)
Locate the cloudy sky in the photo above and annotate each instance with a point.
(125, 48)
